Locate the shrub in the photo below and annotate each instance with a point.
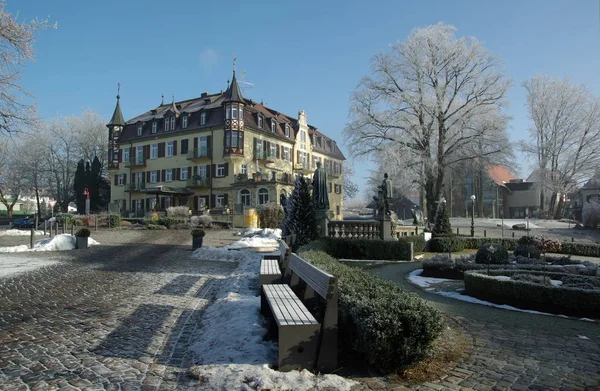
(198, 232)
(155, 227)
(368, 249)
(203, 221)
(270, 215)
(178, 212)
(114, 220)
(378, 320)
(418, 242)
(167, 221)
(526, 250)
(581, 282)
(65, 219)
(491, 253)
(547, 245)
(126, 223)
(441, 244)
(83, 233)
(535, 279)
(588, 250)
(80, 222)
(528, 241)
(590, 214)
(154, 218)
(442, 222)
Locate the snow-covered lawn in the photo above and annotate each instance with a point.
(230, 349)
(19, 232)
(426, 282)
(56, 243)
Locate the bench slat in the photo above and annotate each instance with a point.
(287, 308)
(316, 278)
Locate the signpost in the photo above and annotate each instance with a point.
(527, 218)
(502, 217)
(87, 200)
(52, 203)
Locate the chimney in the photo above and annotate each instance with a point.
(204, 94)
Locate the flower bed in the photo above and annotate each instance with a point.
(579, 295)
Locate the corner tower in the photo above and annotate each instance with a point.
(115, 127)
(234, 105)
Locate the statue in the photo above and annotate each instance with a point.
(379, 207)
(386, 190)
(320, 191)
(417, 215)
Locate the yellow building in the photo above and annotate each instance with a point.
(216, 152)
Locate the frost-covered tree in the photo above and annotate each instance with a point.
(564, 136)
(428, 100)
(591, 214)
(12, 182)
(300, 218)
(442, 221)
(349, 187)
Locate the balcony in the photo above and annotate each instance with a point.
(265, 156)
(136, 162)
(133, 187)
(333, 174)
(113, 166)
(197, 182)
(302, 169)
(199, 154)
(256, 178)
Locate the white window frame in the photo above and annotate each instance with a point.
(202, 171)
(287, 130)
(139, 156)
(273, 122)
(203, 145)
(245, 198)
(184, 122)
(203, 118)
(220, 200)
(126, 154)
(241, 112)
(139, 129)
(244, 169)
(154, 126)
(183, 174)
(154, 176)
(169, 149)
(220, 170)
(263, 196)
(234, 112)
(153, 151)
(139, 178)
(169, 175)
(261, 121)
(227, 111)
(166, 124)
(120, 179)
(273, 150)
(286, 153)
(173, 123)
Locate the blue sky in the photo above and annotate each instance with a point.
(299, 55)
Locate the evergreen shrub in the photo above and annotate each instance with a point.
(65, 219)
(418, 242)
(114, 220)
(442, 225)
(441, 244)
(168, 221)
(491, 253)
(378, 320)
(527, 250)
(270, 215)
(83, 233)
(368, 249)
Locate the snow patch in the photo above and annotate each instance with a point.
(425, 282)
(61, 242)
(20, 232)
(582, 337)
(12, 265)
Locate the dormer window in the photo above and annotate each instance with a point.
(261, 119)
(173, 123)
(154, 126)
(166, 124)
(184, 122)
(139, 130)
(273, 123)
(287, 130)
(203, 118)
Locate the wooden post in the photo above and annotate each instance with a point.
(56, 228)
(457, 231)
(513, 234)
(73, 229)
(31, 238)
(63, 226)
(45, 224)
(95, 222)
(485, 233)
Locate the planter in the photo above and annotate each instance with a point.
(197, 242)
(81, 242)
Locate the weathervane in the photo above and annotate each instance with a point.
(234, 60)
(118, 90)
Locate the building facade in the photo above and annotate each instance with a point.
(216, 152)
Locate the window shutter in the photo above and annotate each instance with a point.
(184, 146)
(133, 153)
(124, 179)
(120, 159)
(265, 147)
(282, 153)
(213, 200)
(161, 149)
(190, 169)
(195, 206)
(147, 176)
(277, 151)
(213, 170)
(163, 175)
(116, 180)
(175, 148)
(147, 151)
(225, 199)
(209, 144)
(255, 145)
(194, 170)
(178, 175)
(226, 169)
(195, 142)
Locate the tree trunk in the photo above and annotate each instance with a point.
(37, 201)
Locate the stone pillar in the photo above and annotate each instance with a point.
(323, 216)
(386, 227)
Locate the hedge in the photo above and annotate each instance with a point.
(440, 244)
(378, 320)
(418, 242)
(368, 249)
(527, 295)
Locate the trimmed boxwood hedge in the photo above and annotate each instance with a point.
(368, 249)
(378, 320)
(527, 295)
(440, 244)
(418, 242)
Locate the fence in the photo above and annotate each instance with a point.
(354, 229)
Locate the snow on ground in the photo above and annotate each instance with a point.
(261, 232)
(415, 278)
(19, 232)
(56, 243)
(230, 350)
(10, 265)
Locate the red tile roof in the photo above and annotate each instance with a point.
(500, 174)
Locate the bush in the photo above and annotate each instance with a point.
(368, 249)
(198, 233)
(534, 279)
(581, 282)
(154, 218)
(442, 225)
(491, 253)
(83, 233)
(168, 221)
(155, 227)
(65, 219)
(547, 245)
(126, 223)
(441, 244)
(178, 212)
(270, 215)
(590, 214)
(378, 320)
(528, 241)
(418, 242)
(114, 220)
(203, 221)
(528, 251)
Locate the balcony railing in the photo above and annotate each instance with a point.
(244, 179)
(265, 155)
(135, 187)
(197, 182)
(136, 162)
(333, 174)
(113, 166)
(199, 154)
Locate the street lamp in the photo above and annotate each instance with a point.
(472, 216)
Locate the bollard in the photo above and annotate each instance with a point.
(31, 238)
(45, 224)
(513, 234)
(56, 228)
(457, 231)
(95, 222)
(72, 229)
(484, 233)
(572, 239)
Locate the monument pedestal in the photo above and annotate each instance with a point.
(323, 216)
(386, 227)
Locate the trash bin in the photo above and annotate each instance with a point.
(250, 218)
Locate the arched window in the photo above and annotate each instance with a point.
(245, 197)
(263, 196)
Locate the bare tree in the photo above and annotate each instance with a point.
(564, 136)
(12, 183)
(427, 98)
(350, 188)
(16, 48)
(31, 148)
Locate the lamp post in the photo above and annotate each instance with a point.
(450, 237)
(472, 216)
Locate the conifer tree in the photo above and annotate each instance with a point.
(80, 183)
(442, 221)
(300, 216)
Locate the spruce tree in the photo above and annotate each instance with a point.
(442, 221)
(95, 185)
(300, 216)
(79, 184)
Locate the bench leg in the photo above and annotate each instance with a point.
(297, 347)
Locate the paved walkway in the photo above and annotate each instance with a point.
(120, 318)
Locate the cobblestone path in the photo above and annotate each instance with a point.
(119, 318)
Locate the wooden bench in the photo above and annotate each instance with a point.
(304, 341)
(270, 273)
